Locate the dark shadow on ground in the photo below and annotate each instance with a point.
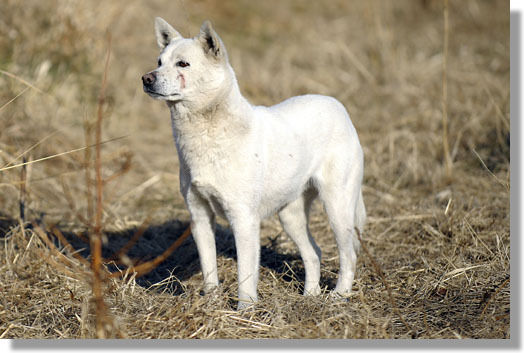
(6, 223)
(184, 262)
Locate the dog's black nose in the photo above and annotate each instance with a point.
(149, 78)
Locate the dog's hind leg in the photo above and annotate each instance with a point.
(294, 219)
(343, 203)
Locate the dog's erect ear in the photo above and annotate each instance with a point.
(210, 40)
(164, 32)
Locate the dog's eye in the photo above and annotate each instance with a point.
(159, 62)
(182, 63)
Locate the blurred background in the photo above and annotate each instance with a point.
(382, 59)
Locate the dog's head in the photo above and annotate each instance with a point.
(194, 71)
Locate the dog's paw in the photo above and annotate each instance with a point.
(312, 292)
(245, 305)
(212, 294)
(340, 297)
(210, 288)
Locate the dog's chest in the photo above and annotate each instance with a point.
(212, 176)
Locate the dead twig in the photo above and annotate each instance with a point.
(103, 320)
(138, 234)
(65, 263)
(68, 246)
(146, 267)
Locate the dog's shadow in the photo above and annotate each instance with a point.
(184, 261)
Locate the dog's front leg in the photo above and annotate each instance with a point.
(246, 229)
(203, 230)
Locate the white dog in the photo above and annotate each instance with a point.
(245, 162)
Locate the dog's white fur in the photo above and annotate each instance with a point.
(245, 162)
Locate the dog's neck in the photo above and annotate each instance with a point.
(222, 122)
(229, 108)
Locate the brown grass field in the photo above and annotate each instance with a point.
(432, 115)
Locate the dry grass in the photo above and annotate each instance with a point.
(437, 260)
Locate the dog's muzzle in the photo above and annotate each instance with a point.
(150, 81)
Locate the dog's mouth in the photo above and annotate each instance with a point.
(168, 97)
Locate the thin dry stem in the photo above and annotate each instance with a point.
(22, 81)
(87, 171)
(448, 163)
(23, 192)
(103, 320)
(13, 99)
(61, 154)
